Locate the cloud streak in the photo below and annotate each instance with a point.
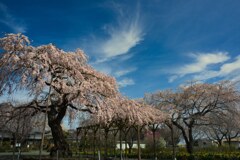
(121, 36)
(126, 82)
(113, 48)
(10, 21)
(202, 61)
(124, 72)
(122, 39)
(229, 68)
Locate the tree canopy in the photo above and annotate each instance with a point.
(190, 105)
(54, 79)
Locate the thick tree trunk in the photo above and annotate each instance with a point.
(60, 144)
(188, 139)
(191, 141)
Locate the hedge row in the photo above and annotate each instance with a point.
(195, 156)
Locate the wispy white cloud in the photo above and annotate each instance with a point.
(125, 57)
(172, 78)
(123, 35)
(9, 20)
(229, 68)
(123, 72)
(202, 61)
(206, 75)
(122, 39)
(126, 82)
(113, 48)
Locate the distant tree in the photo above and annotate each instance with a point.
(190, 105)
(5, 112)
(55, 81)
(155, 100)
(225, 126)
(232, 126)
(18, 122)
(131, 137)
(215, 130)
(165, 131)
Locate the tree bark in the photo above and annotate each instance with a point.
(188, 139)
(154, 128)
(126, 130)
(115, 134)
(106, 130)
(219, 143)
(130, 144)
(54, 122)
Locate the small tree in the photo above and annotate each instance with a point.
(165, 131)
(153, 99)
(17, 121)
(232, 126)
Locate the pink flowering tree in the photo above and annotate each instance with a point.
(125, 114)
(191, 105)
(136, 114)
(155, 99)
(153, 119)
(55, 81)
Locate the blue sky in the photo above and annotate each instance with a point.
(147, 45)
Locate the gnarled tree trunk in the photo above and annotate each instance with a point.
(54, 121)
(187, 137)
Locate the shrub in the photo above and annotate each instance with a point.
(202, 156)
(5, 147)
